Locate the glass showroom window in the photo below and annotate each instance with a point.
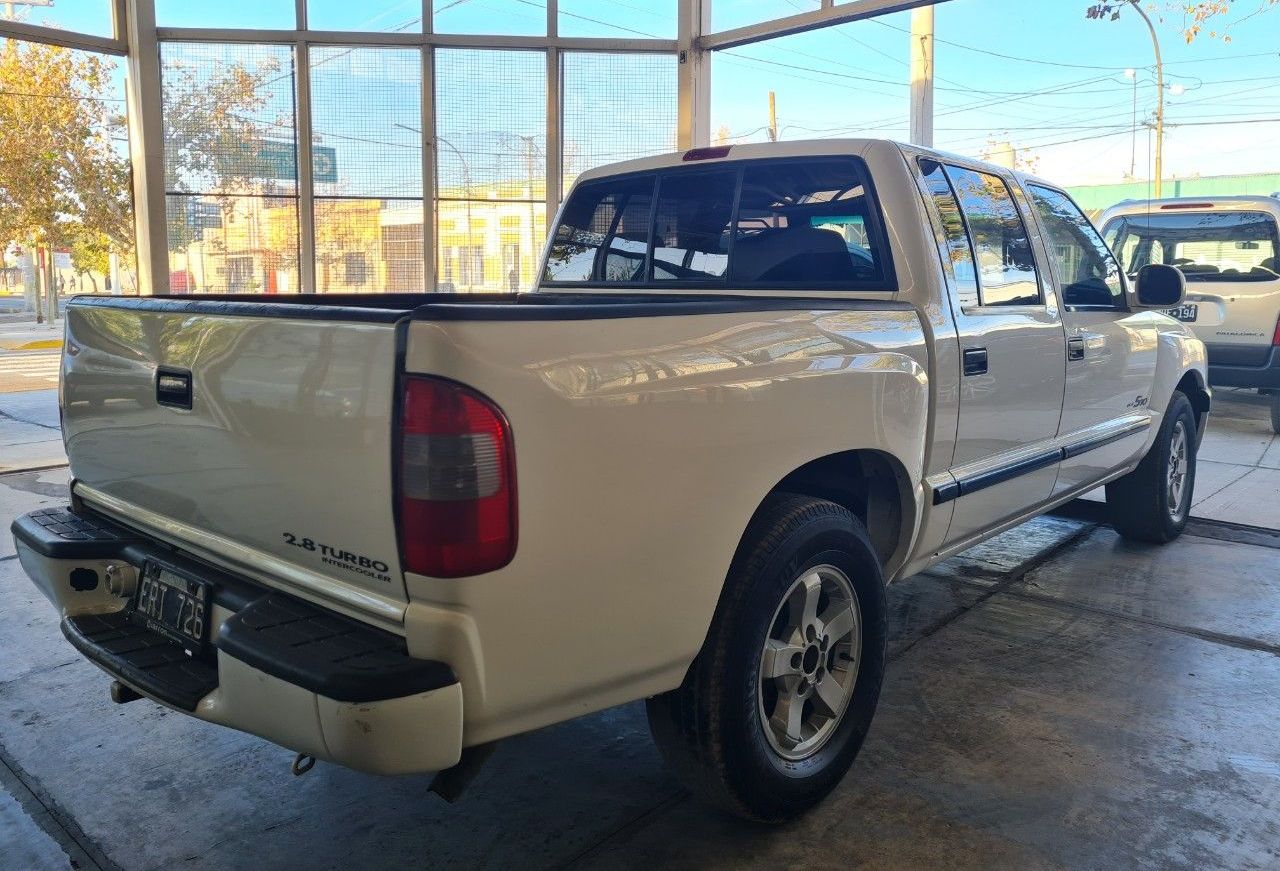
(380, 16)
(491, 126)
(366, 168)
(238, 14)
(231, 168)
(600, 89)
(64, 189)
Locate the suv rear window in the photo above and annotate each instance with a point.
(780, 224)
(1206, 246)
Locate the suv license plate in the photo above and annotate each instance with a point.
(1187, 312)
(173, 605)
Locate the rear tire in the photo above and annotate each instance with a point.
(778, 702)
(1152, 503)
(1275, 412)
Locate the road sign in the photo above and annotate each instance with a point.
(279, 160)
(324, 164)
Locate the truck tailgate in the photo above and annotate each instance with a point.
(280, 467)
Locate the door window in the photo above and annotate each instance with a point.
(1001, 247)
(1088, 273)
(959, 252)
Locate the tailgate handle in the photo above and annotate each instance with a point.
(173, 388)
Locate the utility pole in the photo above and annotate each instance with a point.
(1133, 135)
(1155, 42)
(922, 76)
(773, 117)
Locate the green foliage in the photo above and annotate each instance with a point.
(61, 177)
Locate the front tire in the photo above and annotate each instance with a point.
(780, 698)
(1152, 503)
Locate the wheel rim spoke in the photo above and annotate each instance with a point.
(828, 695)
(805, 601)
(780, 659)
(837, 622)
(788, 717)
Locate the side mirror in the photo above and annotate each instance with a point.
(1160, 286)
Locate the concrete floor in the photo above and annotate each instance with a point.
(1057, 698)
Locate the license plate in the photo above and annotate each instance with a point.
(1186, 312)
(173, 605)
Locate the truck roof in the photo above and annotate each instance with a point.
(766, 150)
(1237, 203)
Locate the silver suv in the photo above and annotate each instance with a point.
(1227, 248)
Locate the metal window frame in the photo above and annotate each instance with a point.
(137, 37)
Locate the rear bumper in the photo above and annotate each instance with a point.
(306, 678)
(1266, 375)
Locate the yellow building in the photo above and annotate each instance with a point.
(249, 244)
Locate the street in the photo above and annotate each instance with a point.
(29, 370)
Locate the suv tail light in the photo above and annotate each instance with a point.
(457, 487)
(1275, 338)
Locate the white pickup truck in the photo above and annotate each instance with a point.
(755, 385)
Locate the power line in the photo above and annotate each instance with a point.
(1068, 65)
(1030, 60)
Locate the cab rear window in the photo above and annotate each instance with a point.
(1205, 246)
(780, 224)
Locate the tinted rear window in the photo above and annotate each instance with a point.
(800, 223)
(804, 223)
(691, 225)
(1206, 246)
(604, 233)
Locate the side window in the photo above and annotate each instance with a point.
(691, 225)
(804, 223)
(1086, 269)
(604, 233)
(1001, 247)
(959, 252)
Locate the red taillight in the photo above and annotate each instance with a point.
(1275, 338)
(457, 486)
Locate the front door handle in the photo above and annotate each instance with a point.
(1075, 348)
(975, 361)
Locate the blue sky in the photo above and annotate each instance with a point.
(1033, 72)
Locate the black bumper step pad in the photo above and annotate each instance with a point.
(327, 653)
(59, 534)
(142, 658)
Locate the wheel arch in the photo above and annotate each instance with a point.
(873, 484)
(1192, 385)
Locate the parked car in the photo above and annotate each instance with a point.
(1226, 247)
(754, 385)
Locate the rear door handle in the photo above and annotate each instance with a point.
(1075, 348)
(975, 361)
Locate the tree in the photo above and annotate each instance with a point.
(1195, 15)
(211, 134)
(62, 180)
